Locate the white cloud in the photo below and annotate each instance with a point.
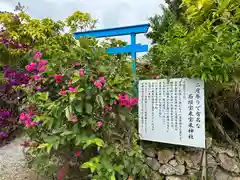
(110, 13)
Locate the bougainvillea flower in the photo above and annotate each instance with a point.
(108, 108)
(78, 153)
(37, 77)
(3, 134)
(81, 72)
(73, 90)
(22, 117)
(5, 114)
(61, 174)
(38, 88)
(59, 78)
(99, 124)
(37, 55)
(42, 69)
(102, 80)
(42, 62)
(31, 67)
(98, 84)
(133, 101)
(63, 92)
(74, 118)
(156, 76)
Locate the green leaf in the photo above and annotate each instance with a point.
(98, 142)
(49, 148)
(88, 108)
(100, 101)
(113, 176)
(68, 113)
(42, 146)
(66, 133)
(79, 107)
(43, 96)
(87, 165)
(75, 79)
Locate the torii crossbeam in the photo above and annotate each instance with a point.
(133, 48)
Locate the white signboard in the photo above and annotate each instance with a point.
(172, 111)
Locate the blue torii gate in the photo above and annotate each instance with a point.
(133, 48)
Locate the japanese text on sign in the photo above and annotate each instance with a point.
(172, 111)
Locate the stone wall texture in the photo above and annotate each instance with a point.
(223, 162)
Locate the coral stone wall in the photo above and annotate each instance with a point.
(223, 162)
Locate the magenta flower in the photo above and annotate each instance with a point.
(37, 55)
(102, 80)
(73, 90)
(42, 69)
(37, 77)
(42, 62)
(63, 92)
(98, 84)
(78, 153)
(31, 67)
(99, 124)
(38, 88)
(5, 114)
(81, 72)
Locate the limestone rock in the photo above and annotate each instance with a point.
(164, 156)
(208, 142)
(196, 159)
(228, 163)
(222, 150)
(222, 175)
(169, 170)
(177, 178)
(180, 156)
(192, 172)
(152, 163)
(235, 178)
(150, 152)
(211, 162)
(173, 162)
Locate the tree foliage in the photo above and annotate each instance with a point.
(204, 45)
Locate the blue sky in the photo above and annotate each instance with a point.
(110, 13)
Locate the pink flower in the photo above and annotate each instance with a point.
(37, 77)
(78, 153)
(77, 64)
(98, 84)
(22, 117)
(42, 69)
(156, 76)
(74, 118)
(59, 78)
(81, 72)
(99, 124)
(108, 108)
(38, 88)
(63, 92)
(61, 174)
(33, 123)
(42, 62)
(31, 67)
(133, 101)
(73, 90)
(102, 80)
(37, 55)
